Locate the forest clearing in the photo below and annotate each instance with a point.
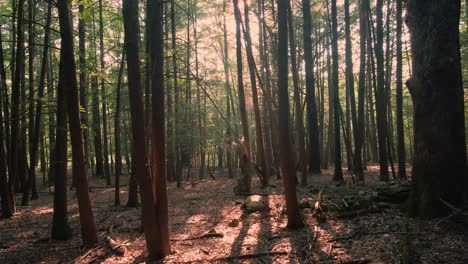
(209, 225)
(233, 131)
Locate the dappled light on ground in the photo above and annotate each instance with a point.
(208, 225)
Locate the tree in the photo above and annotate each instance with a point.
(380, 98)
(253, 82)
(68, 80)
(159, 139)
(299, 117)
(439, 165)
(117, 120)
(314, 151)
(359, 135)
(60, 228)
(247, 167)
(287, 163)
(148, 210)
(103, 98)
(338, 174)
(6, 203)
(399, 94)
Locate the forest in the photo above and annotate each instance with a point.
(243, 131)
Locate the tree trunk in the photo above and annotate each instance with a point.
(60, 228)
(83, 80)
(314, 149)
(359, 133)
(247, 167)
(227, 84)
(439, 165)
(103, 99)
(287, 163)
(299, 117)
(399, 95)
(131, 27)
(265, 167)
(158, 132)
(338, 174)
(68, 76)
(380, 101)
(7, 211)
(117, 120)
(37, 118)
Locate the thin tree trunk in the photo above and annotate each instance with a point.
(338, 174)
(399, 94)
(359, 134)
(103, 99)
(37, 119)
(60, 228)
(117, 123)
(380, 101)
(258, 119)
(287, 163)
(314, 149)
(247, 167)
(299, 117)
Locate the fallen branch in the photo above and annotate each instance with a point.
(253, 255)
(210, 234)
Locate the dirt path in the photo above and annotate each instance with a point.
(259, 237)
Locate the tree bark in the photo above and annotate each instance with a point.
(247, 167)
(265, 167)
(314, 148)
(338, 174)
(68, 76)
(158, 126)
(131, 27)
(380, 101)
(439, 165)
(399, 94)
(287, 163)
(117, 120)
(359, 134)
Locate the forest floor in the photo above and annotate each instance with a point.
(359, 227)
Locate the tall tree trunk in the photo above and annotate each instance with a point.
(96, 112)
(131, 27)
(247, 167)
(37, 118)
(350, 77)
(314, 150)
(287, 163)
(439, 165)
(359, 133)
(299, 117)
(83, 79)
(68, 76)
(15, 149)
(253, 82)
(60, 228)
(117, 120)
(399, 94)
(227, 84)
(7, 211)
(380, 101)
(158, 133)
(103, 99)
(338, 174)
